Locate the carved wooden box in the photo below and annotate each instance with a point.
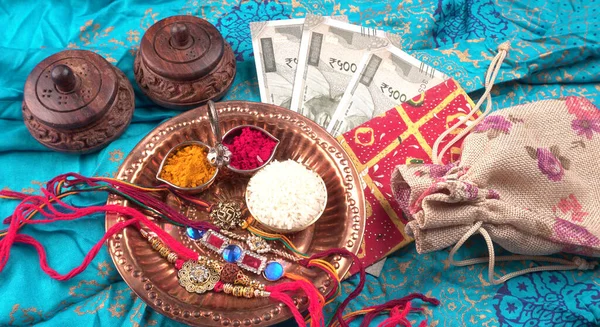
(183, 61)
(76, 101)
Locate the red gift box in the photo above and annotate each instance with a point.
(402, 135)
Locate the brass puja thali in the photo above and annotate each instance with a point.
(342, 224)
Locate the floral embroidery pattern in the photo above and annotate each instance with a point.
(434, 171)
(437, 171)
(496, 125)
(569, 205)
(546, 299)
(493, 194)
(550, 162)
(587, 121)
(586, 127)
(570, 233)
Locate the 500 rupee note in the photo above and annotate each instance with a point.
(276, 44)
(384, 78)
(330, 52)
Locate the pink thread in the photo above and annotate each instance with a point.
(25, 239)
(50, 198)
(378, 309)
(34, 202)
(315, 306)
(218, 287)
(73, 179)
(397, 317)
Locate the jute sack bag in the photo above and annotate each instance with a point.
(528, 179)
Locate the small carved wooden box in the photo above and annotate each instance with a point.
(183, 62)
(76, 101)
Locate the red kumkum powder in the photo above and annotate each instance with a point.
(251, 149)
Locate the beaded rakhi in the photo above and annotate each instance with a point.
(204, 274)
(195, 273)
(233, 253)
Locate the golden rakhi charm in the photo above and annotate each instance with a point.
(198, 278)
(226, 215)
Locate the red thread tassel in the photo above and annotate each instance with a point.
(25, 239)
(55, 215)
(339, 313)
(315, 307)
(378, 309)
(287, 300)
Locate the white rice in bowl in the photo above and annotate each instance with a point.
(286, 196)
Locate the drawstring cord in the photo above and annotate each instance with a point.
(562, 264)
(490, 77)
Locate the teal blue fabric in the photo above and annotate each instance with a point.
(555, 52)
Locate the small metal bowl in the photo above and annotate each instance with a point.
(281, 230)
(237, 131)
(186, 190)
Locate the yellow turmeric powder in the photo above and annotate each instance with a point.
(188, 167)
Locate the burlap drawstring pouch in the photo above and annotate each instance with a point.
(528, 180)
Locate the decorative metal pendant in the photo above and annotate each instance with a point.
(198, 278)
(226, 215)
(258, 244)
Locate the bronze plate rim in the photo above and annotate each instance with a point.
(163, 303)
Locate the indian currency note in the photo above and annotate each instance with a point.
(384, 78)
(330, 52)
(276, 44)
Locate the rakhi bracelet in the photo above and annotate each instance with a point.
(260, 245)
(234, 254)
(205, 274)
(225, 214)
(228, 215)
(49, 206)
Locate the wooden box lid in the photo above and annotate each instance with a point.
(183, 61)
(76, 101)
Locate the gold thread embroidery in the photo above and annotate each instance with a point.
(115, 155)
(104, 269)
